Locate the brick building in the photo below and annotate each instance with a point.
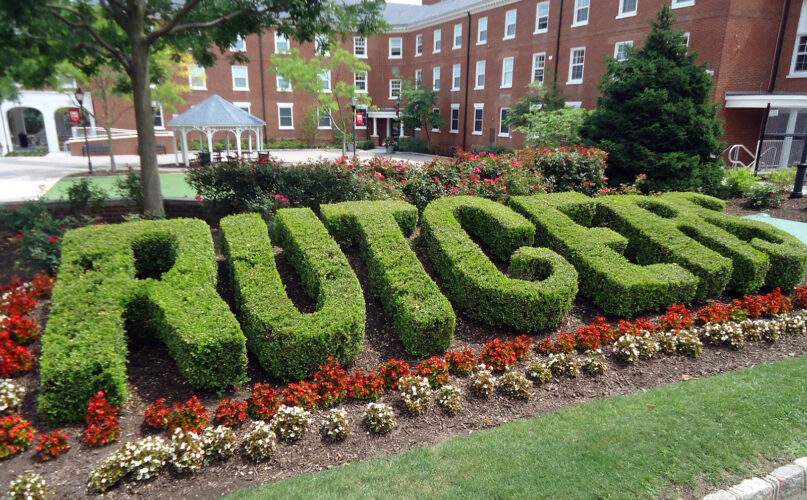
(483, 53)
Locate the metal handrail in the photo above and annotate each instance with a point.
(734, 156)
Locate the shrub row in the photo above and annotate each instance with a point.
(98, 298)
(420, 313)
(288, 343)
(473, 281)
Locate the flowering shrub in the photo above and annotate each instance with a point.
(264, 402)
(539, 373)
(394, 370)
(291, 422)
(545, 346)
(794, 325)
(515, 385)
(52, 445)
(483, 382)
(380, 418)
(688, 344)
(563, 363)
(594, 364)
(219, 442)
(718, 313)
(261, 441)
(365, 386)
(29, 486)
(591, 337)
(434, 369)
(631, 348)
(678, 317)
(302, 394)
(187, 451)
(102, 421)
(769, 305)
(331, 383)
(231, 413)
(461, 363)
(14, 359)
(43, 285)
(158, 415)
(335, 425)
(17, 298)
(800, 297)
(191, 416)
(16, 435)
(21, 329)
(521, 347)
(498, 355)
(416, 393)
(728, 333)
(450, 399)
(637, 328)
(143, 459)
(11, 396)
(757, 330)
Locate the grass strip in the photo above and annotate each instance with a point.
(173, 185)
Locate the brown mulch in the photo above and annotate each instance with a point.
(791, 209)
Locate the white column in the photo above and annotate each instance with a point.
(375, 127)
(249, 138)
(51, 134)
(788, 142)
(389, 127)
(176, 152)
(185, 147)
(209, 134)
(238, 141)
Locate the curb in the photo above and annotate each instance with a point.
(786, 482)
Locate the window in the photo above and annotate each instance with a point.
(580, 12)
(240, 45)
(244, 106)
(324, 118)
(482, 31)
(455, 118)
(538, 67)
(197, 77)
(479, 110)
(504, 130)
(627, 8)
(322, 45)
(360, 46)
(66, 82)
(621, 51)
(281, 43)
(800, 57)
(418, 78)
(360, 81)
(325, 78)
(285, 116)
(542, 17)
(455, 77)
(419, 45)
(283, 85)
(438, 41)
(240, 79)
(394, 88)
(686, 39)
(395, 47)
(507, 72)
(158, 114)
(480, 75)
(457, 36)
(436, 112)
(510, 24)
(682, 3)
(436, 78)
(577, 61)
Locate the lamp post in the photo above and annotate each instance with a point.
(80, 99)
(353, 101)
(801, 169)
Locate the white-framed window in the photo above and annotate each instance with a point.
(394, 88)
(396, 47)
(325, 78)
(479, 113)
(574, 104)
(436, 78)
(360, 46)
(283, 85)
(157, 110)
(240, 78)
(418, 78)
(507, 72)
(322, 45)
(482, 31)
(456, 72)
(627, 8)
(323, 119)
(538, 67)
(285, 116)
(686, 39)
(419, 44)
(436, 111)
(246, 106)
(360, 81)
(581, 8)
(504, 130)
(510, 24)
(240, 45)
(438, 41)
(282, 43)
(799, 65)
(457, 36)
(197, 79)
(682, 3)
(66, 82)
(621, 50)
(455, 119)
(542, 17)
(577, 62)
(480, 75)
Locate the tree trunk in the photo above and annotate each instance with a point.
(108, 129)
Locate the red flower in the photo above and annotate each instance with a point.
(264, 402)
(498, 355)
(53, 239)
(434, 369)
(102, 421)
(52, 445)
(231, 413)
(302, 394)
(18, 236)
(461, 363)
(330, 382)
(392, 371)
(368, 386)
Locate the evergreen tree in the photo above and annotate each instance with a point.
(655, 116)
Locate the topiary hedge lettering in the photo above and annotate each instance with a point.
(290, 344)
(420, 313)
(473, 281)
(150, 279)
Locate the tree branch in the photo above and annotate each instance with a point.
(170, 25)
(114, 52)
(202, 25)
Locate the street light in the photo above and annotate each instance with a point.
(80, 99)
(353, 101)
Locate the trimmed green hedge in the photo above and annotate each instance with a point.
(290, 344)
(420, 313)
(98, 298)
(476, 285)
(606, 276)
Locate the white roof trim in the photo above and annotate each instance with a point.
(762, 100)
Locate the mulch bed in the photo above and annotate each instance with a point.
(791, 209)
(153, 375)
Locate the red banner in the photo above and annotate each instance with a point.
(74, 115)
(361, 118)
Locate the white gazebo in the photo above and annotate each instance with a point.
(215, 114)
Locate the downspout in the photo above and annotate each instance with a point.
(557, 42)
(263, 89)
(777, 55)
(467, 82)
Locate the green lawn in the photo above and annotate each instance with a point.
(172, 185)
(633, 446)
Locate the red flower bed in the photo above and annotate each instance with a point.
(678, 317)
(190, 416)
(498, 355)
(52, 445)
(369, 386)
(302, 394)
(716, 313)
(800, 297)
(43, 285)
(14, 359)
(16, 435)
(264, 402)
(760, 306)
(22, 329)
(18, 300)
(331, 383)
(231, 413)
(102, 421)
(461, 363)
(521, 347)
(636, 328)
(394, 370)
(434, 369)
(592, 337)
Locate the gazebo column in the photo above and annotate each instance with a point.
(176, 152)
(209, 134)
(238, 141)
(184, 133)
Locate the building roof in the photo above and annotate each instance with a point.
(405, 14)
(215, 111)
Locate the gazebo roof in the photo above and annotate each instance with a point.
(216, 112)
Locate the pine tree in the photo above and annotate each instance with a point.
(655, 115)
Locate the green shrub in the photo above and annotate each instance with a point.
(568, 168)
(421, 315)
(783, 178)
(365, 145)
(288, 343)
(412, 144)
(83, 195)
(765, 195)
(492, 148)
(606, 277)
(130, 187)
(475, 284)
(738, 181)
(106, 288)
(287, 144)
